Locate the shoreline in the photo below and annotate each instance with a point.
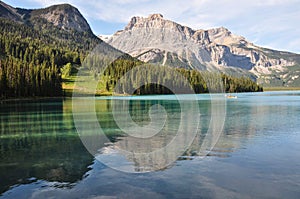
(281, 88)
(31, 99)
(118, 95)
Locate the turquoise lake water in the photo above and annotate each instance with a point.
(256, 154)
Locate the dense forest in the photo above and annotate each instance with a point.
(33, 61)
(141, 79)
(30, 60)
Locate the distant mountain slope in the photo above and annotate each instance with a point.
(154, 39)
(63, 16)
(61, 26)
(6, 11)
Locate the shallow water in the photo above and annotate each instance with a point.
(256, 154)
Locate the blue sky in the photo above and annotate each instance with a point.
(268, 23)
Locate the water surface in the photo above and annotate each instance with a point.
(256, 156)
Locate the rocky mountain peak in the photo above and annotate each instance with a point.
(64, 16)
(155, 16)
(154, 21)
(158, 40)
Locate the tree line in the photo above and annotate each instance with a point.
(133, 77)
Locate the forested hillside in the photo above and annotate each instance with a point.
(31, 60)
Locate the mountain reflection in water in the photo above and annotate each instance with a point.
(41, 154)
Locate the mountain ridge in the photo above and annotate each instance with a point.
(7, 11)
(63, 16)
(155, 39)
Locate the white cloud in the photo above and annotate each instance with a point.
(254, 19)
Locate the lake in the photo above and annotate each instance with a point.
(207, 147)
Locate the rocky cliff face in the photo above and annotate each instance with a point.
(154, 39)
(63, 16)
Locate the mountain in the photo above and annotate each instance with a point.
(36, 46)
(59, 26)
(155, 39)
(6, 11)
(63, 16)
(42, 50)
